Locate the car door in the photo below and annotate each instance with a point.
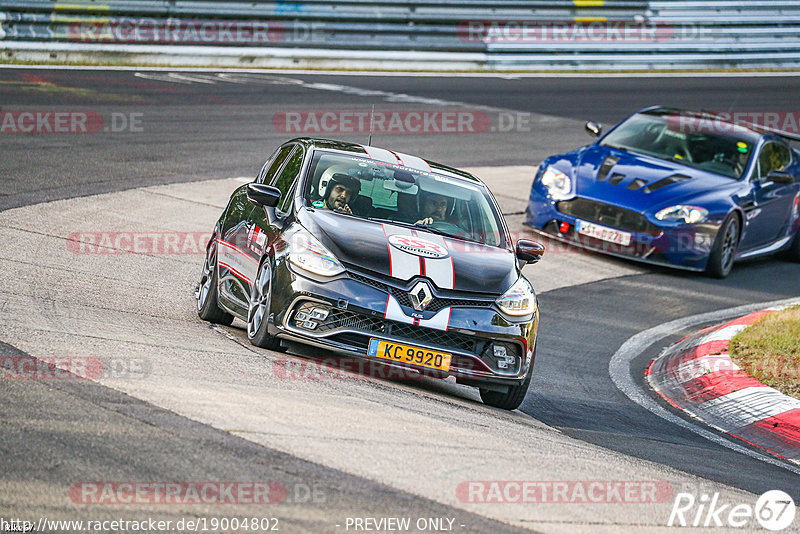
(238, 252)
(770, 203)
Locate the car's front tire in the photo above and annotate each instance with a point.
(258, 312)
(793, 252)
(511, 399)
(720, 261)
(206, 294)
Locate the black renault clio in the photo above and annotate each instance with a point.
(380, 255)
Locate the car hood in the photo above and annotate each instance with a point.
(393, 251)
(640, 182)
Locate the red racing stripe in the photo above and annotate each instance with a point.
(714, 385)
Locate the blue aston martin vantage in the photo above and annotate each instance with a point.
(673, 187)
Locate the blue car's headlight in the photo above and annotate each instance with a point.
(558, 184)
(680, 213)
(519, 299)
(307, 253)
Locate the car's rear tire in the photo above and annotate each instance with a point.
(258, 312)
(511, 399)
(206, 294)
(720, 261)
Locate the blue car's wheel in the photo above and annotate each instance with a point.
(793, 252)
(720, 261)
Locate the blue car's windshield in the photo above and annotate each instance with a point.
(697, 141)
(393, 193)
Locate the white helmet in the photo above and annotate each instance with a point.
(328, 174)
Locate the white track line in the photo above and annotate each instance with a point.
(620, 370)
(431, 74)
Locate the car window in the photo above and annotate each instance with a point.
(288, 176)
(442, 202)
(270, 169)
(773, 157)
(703, 143)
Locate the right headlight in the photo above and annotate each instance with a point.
(519, 299)
(681, 213)
(308, 254)
(558, 184)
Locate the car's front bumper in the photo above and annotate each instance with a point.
(683, 246)
(357, 306)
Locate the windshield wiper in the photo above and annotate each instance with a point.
(618, 147)
(390, 221)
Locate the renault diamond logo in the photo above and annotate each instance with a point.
(421, 296)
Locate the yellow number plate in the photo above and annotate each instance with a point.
(397, 352)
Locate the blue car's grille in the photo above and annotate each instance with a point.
(607, 215)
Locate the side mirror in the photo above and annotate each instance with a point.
(529, 251)
(780, 177)
(594, 128)
(263, 195)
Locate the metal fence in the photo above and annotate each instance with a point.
(487, 34)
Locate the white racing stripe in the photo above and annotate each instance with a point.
(402, 265)
(440, 270)
(413, 162)
(395, 313)
(381, 154)
(440, 321)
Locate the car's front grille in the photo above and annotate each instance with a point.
(402, 296)
(346, 320)
(607, 215)
(355, 329)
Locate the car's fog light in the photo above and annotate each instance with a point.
(308, 325)
(319, 314)
(504, 359)
(300, 317)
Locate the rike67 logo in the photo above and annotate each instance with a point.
(774, 510)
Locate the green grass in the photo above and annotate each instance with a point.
(769, 350)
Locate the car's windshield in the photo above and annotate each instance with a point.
(393, 193)
(697, 141)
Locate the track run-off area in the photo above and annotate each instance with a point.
(144, 160)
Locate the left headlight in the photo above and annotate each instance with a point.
(558, 183)
(519, 299)
(308, 254)
(687, 214)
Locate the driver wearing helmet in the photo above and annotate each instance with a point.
(433, 208)
(340, 190)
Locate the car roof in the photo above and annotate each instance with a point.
(387, 156)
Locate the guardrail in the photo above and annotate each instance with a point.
(487, 34)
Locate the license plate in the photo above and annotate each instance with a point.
(604, 233)
(398, 352)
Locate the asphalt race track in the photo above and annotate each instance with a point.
(164, 151)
